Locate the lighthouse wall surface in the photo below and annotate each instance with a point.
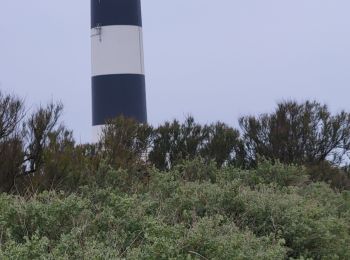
(118, 77)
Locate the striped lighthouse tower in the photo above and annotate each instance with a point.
(118, 81)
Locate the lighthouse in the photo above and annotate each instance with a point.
(118, 77)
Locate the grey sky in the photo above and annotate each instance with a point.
(216, 60)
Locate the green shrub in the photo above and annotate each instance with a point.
(309, 227)
(215, 238)
(194, 211)
(266, 173)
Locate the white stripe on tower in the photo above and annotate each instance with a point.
(118, 81)
(119, 52)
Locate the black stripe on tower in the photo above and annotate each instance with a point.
(115, 12)
(119, 94)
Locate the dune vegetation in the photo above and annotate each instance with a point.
(277, 188)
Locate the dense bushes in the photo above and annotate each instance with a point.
(298, 133)
(38, 153)
(221, 214)
(24, 139)
(175, 142)
(276, 189)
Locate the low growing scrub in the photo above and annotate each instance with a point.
(191, 212)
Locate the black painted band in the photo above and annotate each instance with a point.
(120, 94)
(115, 12)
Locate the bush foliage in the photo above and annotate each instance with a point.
(278, 188)
(214, 214)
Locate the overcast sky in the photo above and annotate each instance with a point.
(214, 59)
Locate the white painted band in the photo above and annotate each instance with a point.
(117, 49)
(97, 133)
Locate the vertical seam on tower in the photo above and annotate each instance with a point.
(141, 50)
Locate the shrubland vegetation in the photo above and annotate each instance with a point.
(277, 188)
